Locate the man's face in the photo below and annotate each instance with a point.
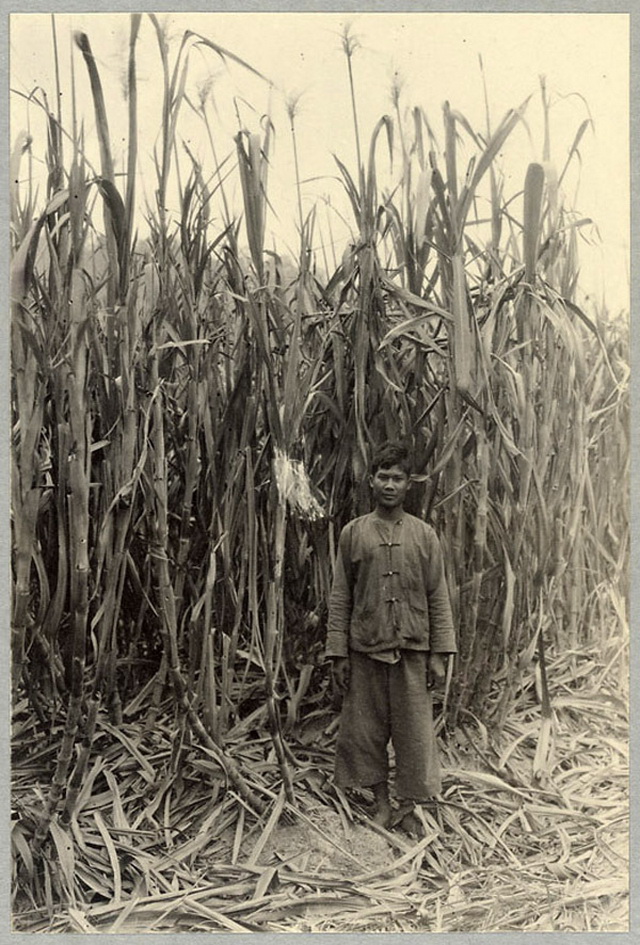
(389, 486)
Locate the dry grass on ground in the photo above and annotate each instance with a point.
(159, 844)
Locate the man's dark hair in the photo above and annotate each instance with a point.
(391, 454)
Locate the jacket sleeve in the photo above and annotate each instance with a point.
(442, 637)
(340, 600)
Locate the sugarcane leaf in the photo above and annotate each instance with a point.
(64, 846)
(22, 144)
(102, 123)
(23, 260)
(224, 53)
(409, 298)
(267, 881)
(113, 855)
(111, 196)
(80, 921)
(488, 156)
(584, 318)
(270, 826)
(19, 840)
(574, 149)
(352, 190)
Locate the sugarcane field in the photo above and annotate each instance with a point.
(319, 472)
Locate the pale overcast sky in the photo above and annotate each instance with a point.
(584, 57)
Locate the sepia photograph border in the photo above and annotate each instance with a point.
(355, 6)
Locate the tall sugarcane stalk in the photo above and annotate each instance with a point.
(26, 487)
(253, 162)
(119, 362)
(78, 513)
(164, 592)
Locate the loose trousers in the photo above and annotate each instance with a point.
(388, 701)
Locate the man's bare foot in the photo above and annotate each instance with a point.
(382, 816)
(407, 819)
(412, 825)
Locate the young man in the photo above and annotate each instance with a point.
(389, 626)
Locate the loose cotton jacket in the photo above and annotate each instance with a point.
(389, 590)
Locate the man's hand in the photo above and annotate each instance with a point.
(437, 669)
(341, 672)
